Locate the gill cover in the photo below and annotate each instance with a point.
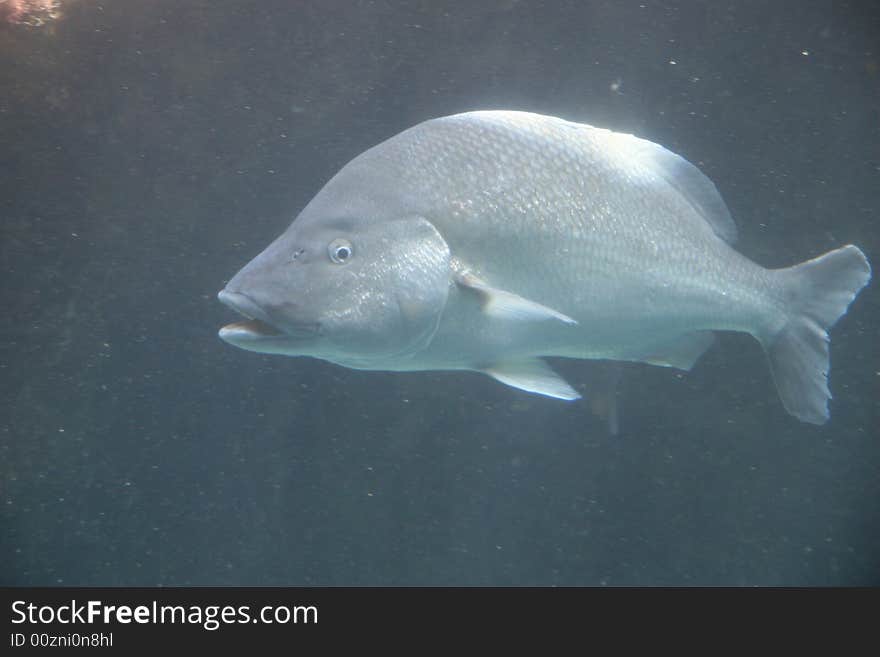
(401, 287)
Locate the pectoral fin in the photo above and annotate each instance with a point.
(506, 305)
(682, 352)
(532, 375)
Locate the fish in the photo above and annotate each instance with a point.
(488, 241)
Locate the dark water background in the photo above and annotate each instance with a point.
(149, 149)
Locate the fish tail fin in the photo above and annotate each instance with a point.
(820, 291)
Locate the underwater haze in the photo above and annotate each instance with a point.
(149, 150)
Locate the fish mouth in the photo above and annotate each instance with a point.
(258, 326)
(255, 327)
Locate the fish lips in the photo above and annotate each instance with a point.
(258, 328)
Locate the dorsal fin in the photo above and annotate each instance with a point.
(700, 192)
(687, 180)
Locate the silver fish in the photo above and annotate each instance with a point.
(487, 240)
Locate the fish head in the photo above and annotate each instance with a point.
(359, 291)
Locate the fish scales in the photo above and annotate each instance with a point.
(588, 213)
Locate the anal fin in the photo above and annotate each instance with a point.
(682, 352)
(601, 379)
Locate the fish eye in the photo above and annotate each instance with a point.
(340, 251)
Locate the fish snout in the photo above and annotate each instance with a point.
(242, 304)
(264, 320)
